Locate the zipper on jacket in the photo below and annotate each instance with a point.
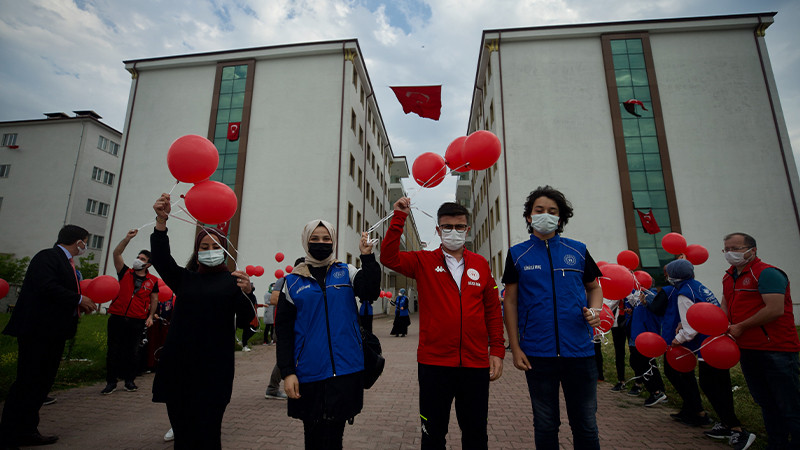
(555, 305)
(327, 319)
(460, 307)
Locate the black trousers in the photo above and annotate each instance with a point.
(323, 434)
(366, 322)
(619, 336)
(716, 384)
(438, 386)
(686, 385)
(641, 364)
(37, 364)
(124, 335)
(196, 425)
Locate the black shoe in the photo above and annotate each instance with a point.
(635, 391)
(618, 387)
(740, 440)
(655, 399)
(36, 439)
(49, 401)
(130, 387)
(719, 431)
(110, 387)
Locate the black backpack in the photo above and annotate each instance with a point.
(373, 359)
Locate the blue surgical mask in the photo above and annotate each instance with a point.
(211, 258)
(544, 223)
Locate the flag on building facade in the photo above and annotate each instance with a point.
(630, 106)
(233, 131)
(649, 222)
(424, 101)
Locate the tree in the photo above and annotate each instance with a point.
(13, 269)
(87, 268)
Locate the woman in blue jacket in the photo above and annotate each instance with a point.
(401, 317)
(319, 348)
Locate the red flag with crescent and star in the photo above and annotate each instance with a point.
(233, 131)
(649, 222)
(424, 101)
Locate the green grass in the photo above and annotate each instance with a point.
(748, 412)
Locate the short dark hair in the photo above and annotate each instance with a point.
(70, 234)
(749, 241)
(564, 206)
(299, 260)
(451, 209)
(146, 253)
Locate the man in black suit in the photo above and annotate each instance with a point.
(44, 317)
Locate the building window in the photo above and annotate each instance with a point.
(108, 178)
(97, 174)
(353, 121)
(497, 209)
(95, 241)
(9, 139)
(231, 96)
(360, 137)
(1, 203)
(360, 176)
(4, 170)
(361, 97)
(349, 258)
(358, 263)
(97, 208)
(352, 167)
(355, 77)
(349, 214)
(358, 221)
(102, 176)
(107, 146)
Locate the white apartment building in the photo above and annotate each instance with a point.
(710, 155)
(55, 171)
(312, 145)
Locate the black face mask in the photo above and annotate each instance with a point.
(320, 250)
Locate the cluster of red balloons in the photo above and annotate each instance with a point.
(280, 273)
(101, 289)
(676, 244)
(4, 288)
(193, 159)
(619, 280)
(387, 294)
(478, 151)
(254, 271)
(606, 319)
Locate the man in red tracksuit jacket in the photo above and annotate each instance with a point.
(460, 326)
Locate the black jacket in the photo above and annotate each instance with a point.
(47, 306)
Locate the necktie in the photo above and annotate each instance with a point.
(77, 282)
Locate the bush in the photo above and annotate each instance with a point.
(13, 269)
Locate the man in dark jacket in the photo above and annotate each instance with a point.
(44, 317)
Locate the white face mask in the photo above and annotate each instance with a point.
(737, 258)
(138, 264)
(81, 250)
(544, 223)
(211, 258)
(454, 240)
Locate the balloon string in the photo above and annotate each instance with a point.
(173, 187)
(702, 346)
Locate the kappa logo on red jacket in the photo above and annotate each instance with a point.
(439, 269)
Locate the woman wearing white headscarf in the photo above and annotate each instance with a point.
(319, 350)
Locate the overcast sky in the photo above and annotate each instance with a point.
(60, 55)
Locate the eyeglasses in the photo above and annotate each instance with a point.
(448, 228)
(734, 249)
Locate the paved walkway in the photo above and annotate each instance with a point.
(124, 420)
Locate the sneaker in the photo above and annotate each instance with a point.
(719, 431)
(170, 436)
(245, 349)
(130, 387)
(635, 390)
(110, 387)
(48, 401)
(655, 399)
(279, 395)
(741, 440)
(618, 387)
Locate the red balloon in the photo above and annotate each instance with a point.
(192, 158)
(289, 269)
(643, 278)
(606, 319)
(103, 288)
(85, 285)
(250, 270)
(629, 259)
(211, 202)
(279, 256)
(617, 281)
(388, 294)
(650, 344)
(681, 358)
(720, 352)
(429, 169)
(707, 318)
(382, 294)
(454, 156)
(279, 273)
(481, 150)
(673, 243)
(164, 293)
(259, 270)
(696, 254)
(4, 288)
(601, 263)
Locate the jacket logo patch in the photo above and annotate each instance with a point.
(439, 269)
(338, 274)
(746, 281)
(473, 275)
(473, 283)
(570, 260)
(302, 288)
(532, 267)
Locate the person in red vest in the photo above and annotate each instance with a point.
(129, 314)
(758, 302)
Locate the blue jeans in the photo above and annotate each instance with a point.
(578, 379)
(774, 382)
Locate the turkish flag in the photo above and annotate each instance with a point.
(424, 101)
(233, 131)
(223, 227)
(649, 222)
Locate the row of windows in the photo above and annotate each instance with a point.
(95, 241)
(108, 146)
(9, 139)
(97, 207)
(103, 176)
